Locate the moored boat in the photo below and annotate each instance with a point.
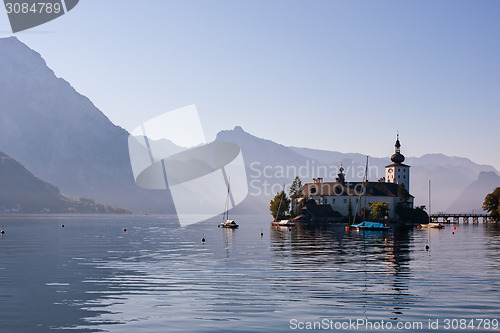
(284, 223)
(365, 225)
(433, 225)
(229, 224)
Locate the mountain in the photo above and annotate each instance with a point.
(21, 191)
(472, 198)
(60, 136)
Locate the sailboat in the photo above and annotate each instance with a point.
(282, 223)
(430, 224)
(226, 222)
(367, 225)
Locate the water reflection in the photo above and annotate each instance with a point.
(367, 270)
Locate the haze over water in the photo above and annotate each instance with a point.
(90, 275)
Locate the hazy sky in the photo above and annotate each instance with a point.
(336, 75)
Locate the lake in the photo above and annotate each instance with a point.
(91, 276)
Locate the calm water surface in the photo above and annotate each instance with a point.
(91, 276)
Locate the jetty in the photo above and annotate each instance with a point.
(461, 218)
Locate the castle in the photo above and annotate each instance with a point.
(340, 194)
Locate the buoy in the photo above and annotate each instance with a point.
(347, 228)
(261, 233)
(203, 238)
(2, 232)
(62, 226)
(124, 230)
(453, 232)
(454, 228)
(218, 225)
(418, 227)
(427, 248)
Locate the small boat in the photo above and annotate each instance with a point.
(226, 222)
(433, 225)
(284, 223)
(365, 225)
(229, 224)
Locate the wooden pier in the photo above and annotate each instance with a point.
(461, 218)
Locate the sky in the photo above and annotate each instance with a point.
(333, 75)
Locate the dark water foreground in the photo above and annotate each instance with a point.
(156, 277)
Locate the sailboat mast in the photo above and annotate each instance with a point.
(430, 201)
(279, 206)
(362, 191)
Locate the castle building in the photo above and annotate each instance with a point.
(341, 194)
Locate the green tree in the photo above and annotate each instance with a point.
(492, 204)
(403, 194)
(379, 210)
(279, 206)
(295, 193)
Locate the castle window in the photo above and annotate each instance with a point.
(399, 177)
(326, 201)
(404, 176)
(333, 201)
(399, 170)
(345, 200)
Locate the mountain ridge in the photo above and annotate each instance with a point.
(62, 137)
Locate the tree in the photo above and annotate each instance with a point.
(279, 206)
(415, 215)
(364, 213)
(403, 194)
(379, 210)
(295, 193)
(349, 209)
(492, 204)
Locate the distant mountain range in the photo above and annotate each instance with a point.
(61, 137)
(22, 192)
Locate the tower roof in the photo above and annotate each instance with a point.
(397, 157)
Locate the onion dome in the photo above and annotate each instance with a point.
(398, 158)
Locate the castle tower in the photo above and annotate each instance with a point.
(397, 172)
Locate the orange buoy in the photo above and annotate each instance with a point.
(124, 230)
(454, 228)
(347, 228)
(418, 227)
